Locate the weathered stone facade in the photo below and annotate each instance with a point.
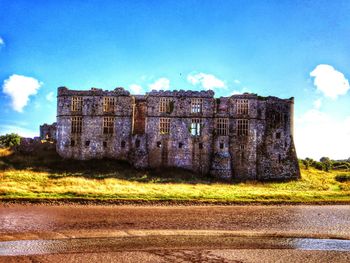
(242, 137)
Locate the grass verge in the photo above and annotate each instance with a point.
(44, 175)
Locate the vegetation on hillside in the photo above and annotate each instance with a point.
(43, 174)
(9, 140)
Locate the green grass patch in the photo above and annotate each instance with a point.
(46, 175)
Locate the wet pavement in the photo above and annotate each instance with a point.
(43, 233)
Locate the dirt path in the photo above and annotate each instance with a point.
(18, 221)
(174, 233)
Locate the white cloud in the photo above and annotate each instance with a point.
(329, 81)
(50, 96)
(160, 84)
(319, 134)
(135, 89)
(2, 42)
(237, 81)
(19, 88)
(317, 104)
(207, 81)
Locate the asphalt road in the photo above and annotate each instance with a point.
(77, 233)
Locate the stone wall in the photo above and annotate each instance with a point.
(264, 150)
(48, 131)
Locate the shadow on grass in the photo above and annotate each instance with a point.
(45, 159)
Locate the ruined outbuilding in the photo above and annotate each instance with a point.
(48, 131)
(241, 137)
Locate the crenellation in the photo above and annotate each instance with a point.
(241, 137)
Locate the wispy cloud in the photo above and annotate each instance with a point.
(207, 81)
(50, 96)
(237, 81)
(24, 132)
(2, 42)
(329, 81)
(19, 88)
(160, 84)
(243, 90)
(136, 89)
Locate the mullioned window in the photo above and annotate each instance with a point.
(222, 126)
(76, 124)
(242, 106)
(77, 104)
(108, 125)
(108, 104)
(196, 105)
(164, 125)
(242, 127)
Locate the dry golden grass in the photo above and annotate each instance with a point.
(47, 176)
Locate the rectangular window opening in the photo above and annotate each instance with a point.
(278, 135)
(108, 104)
(164, 125)
(77, 104)
(108, 125)
(165, 105)
(196, 127)
(196, 105)
(72, 143)
(137, 143)
(76, 124)
(242, 106)
(242, 127)
(87, 143)
(222, 126)
(104, 144)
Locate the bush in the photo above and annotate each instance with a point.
(10, 140)
(319, 166)
(342, 178)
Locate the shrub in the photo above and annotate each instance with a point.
(10, 140)
(342, 178)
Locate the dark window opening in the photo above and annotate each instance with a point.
(242, 157)
(72, 142)
(180, 145)
(278, 135)
(221, 145)
(200, 145)
(87, 143)
(159, 144)
(137, 143)
(122, 144)
(279, 158)
(104, 144)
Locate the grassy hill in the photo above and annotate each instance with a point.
(42, 174)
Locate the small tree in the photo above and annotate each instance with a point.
(10, 140)
(327, 163)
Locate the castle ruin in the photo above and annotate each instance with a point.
(241, 137)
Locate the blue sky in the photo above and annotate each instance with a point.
(279, 48)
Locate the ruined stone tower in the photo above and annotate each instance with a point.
(241, 137)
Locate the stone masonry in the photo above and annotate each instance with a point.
(241, 137)
(48, 131)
